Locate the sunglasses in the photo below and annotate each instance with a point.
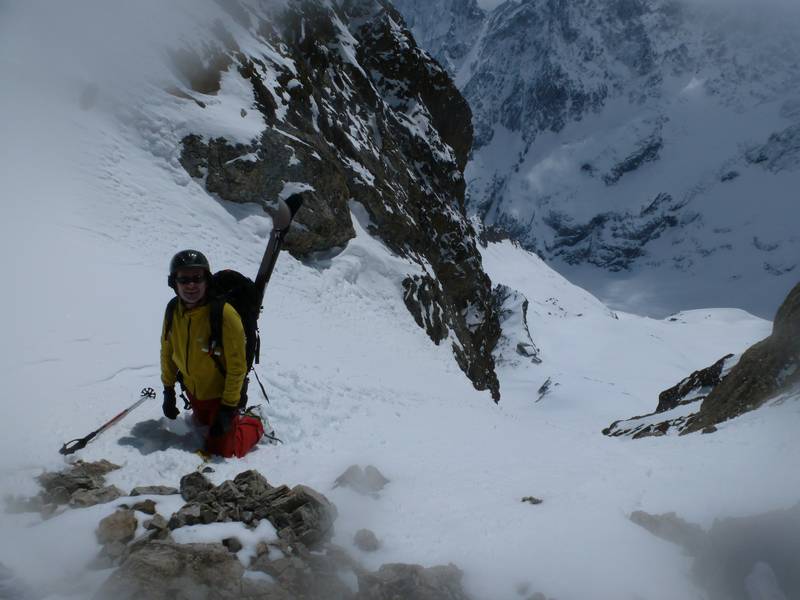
(192, 279)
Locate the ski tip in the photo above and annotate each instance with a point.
(294, 202)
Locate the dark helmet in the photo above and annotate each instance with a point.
(187, 259)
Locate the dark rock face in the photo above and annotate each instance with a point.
(764, 371)
(781, 152)
(738, 558)
(612, 240)
(729, 387)
(689, 391)
(693, 386)
(363, 114)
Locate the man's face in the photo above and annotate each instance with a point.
(191, 284)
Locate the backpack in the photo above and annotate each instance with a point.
(231, 287)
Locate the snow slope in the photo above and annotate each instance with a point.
(95, 206)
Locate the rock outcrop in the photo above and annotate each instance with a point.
(355, 111)
(730, 387)
(738, 558)
(676, 405)
(299, 564)
(765, 370)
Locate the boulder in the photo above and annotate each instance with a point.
(58, 487)
(412, 582)
(194, 485)
(148, 507)
(153, 490)
(368, 481)
(119, 526)
(366, 540)
(84, 498)
(163, 570)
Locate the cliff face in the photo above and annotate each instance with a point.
(354, 110)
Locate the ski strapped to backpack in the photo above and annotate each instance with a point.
(245, 296)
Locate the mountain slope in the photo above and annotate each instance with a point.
(98, 203)
(648, 149)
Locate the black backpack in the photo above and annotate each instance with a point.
(240, 292)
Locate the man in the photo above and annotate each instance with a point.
(212, 375)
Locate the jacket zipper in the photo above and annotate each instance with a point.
(188, 342)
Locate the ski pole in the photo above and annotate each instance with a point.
(75, 445)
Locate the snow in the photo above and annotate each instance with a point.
(95, 207)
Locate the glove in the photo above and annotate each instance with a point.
(222, 424)
(169, 406)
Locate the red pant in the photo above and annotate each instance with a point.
(244, 433)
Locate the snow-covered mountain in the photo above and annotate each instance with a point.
(99, 194)
(647, 148)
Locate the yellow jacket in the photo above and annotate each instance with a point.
(185, 349)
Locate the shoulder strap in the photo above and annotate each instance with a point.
(169, 314)
(215, 339)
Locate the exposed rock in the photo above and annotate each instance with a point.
(695, 387)
(383, 124)
(153, 490)
(232, 544)
(368, 481)
(119, 526)
(168, 571)
(738, 558)
(675, 408)
(411, 582)
(765, 370)
(611, 240)
(58, 487)
(252, 483)
(672, 528)
(647, 152)
(148, 507)
(84, 498)
(194, 485)
(780, 153)
(374, 479)
(365, 540)
(301, 513)
(516, 340)
(157, 523)
(532, 500)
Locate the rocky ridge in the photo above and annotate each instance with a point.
(292, 558)
(356, 112)
(732, 386)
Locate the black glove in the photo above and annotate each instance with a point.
(222, 424)
(169, 406)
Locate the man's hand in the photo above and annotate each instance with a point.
(222, 424)
(169, 406)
